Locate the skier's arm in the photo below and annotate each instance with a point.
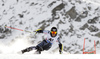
(46, 31)
(39, 31)
(60, 46)
(42, 31)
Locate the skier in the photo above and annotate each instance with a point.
(46, 44)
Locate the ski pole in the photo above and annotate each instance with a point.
(18, 29)
(23, 30)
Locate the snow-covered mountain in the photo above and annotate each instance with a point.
(75, 20)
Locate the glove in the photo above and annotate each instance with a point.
(39, 31)
(60, 48)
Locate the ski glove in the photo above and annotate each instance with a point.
(60, 48)
(39, 31)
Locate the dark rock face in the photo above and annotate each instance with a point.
(21, 15)
(97, 42)
(98, 34)
(72, 13)
(4, 32)
(58, 8)
(77, 52)
(51, 3)
(93, 21)
(93, 28)
(78, 19)
(84, 14)
(66, 48)
(71, 28)
(84, 27)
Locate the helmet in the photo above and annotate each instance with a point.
(54, 29)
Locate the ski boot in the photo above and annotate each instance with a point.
(26, 50)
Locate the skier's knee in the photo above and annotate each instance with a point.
(39, 48)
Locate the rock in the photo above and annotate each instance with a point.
(89, 7)
(72, 44)
(78, 1)
(93, 21)
(3, 4)
(84, 14)
(7, 31)
(89, 40)
(93, 28)
(5, 12)
(51, 3)
(21, 15)
(20, 23)
(76, 44)
(72, 13)
(66, 48)
(82, 49)
(32, 4)
(71, 28)
(17, 0)
(84, 27)
(97, 42)
(77, 52)
(61, 22)
(79, 36)
(78, 19)
(4, 30)
(56, 16)
(58, 8)
(98, 34)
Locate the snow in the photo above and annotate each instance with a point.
(50, 56)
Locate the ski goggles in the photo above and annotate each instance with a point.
(53, 32)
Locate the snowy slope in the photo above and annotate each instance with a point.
(75, 20)
(50, 56)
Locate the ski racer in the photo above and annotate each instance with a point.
(46, 44)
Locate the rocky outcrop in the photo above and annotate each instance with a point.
(97, 34)
(4, 32)
(72, 13)
(93, 28)
(93, 21)
(57, 8)
(84, 27)
(78, 19)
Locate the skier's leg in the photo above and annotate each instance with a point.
(47, 46)
(28, 49)
(44, 45)
(39, 47)
(37, 52)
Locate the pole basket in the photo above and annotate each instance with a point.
(92, 52)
